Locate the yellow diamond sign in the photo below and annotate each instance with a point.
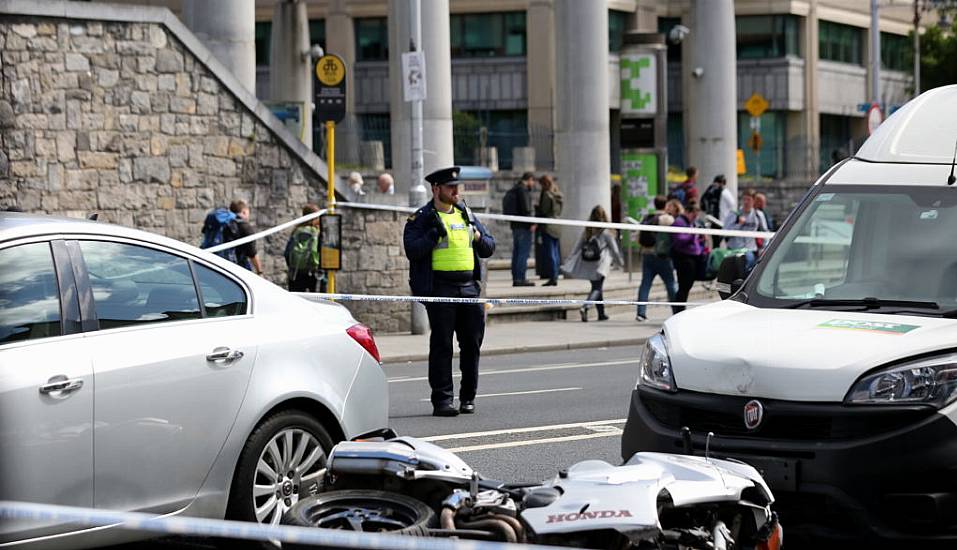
(756, 104)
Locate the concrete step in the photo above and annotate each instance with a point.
(505, 264)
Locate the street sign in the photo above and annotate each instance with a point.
(413, 76)
(756, 104)
(755, 142)
(740, 164)
(330, 242)
(874, 118)
(330, 88)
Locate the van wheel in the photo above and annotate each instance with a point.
(281, 462)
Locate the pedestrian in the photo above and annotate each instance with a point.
(386, 184)
(245, 253)
(302, 254)
(518, 202)
(745, 219)
(592, 259)
(761, 205)
(444, 242)
(550, 204)
(686, 190)
(716, 202)
(355, 187)
(687, 250)
(656, 257)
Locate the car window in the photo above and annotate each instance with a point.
(221, 296)
(29, 295)
(134, 285)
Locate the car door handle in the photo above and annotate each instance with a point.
(224, 354)
(61, 384)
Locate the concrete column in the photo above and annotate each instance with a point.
(709, 77)
(812, 108)
(645, 18)
(227, 28)
(437, 108)
(540, 71)
(583, 160)
(290, 77)
(341, 40)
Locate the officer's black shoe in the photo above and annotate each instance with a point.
(551, 282)
(526, 282)
(444, 410)
(467, 407)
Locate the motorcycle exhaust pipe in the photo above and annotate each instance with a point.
(494, 524)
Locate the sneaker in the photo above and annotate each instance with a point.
(640, 318)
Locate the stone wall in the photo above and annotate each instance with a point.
(124, 119)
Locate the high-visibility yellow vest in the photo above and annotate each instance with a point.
(454, 251)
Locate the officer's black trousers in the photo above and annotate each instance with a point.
(467, 321)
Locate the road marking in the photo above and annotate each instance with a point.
(527, 369)
(483, 395)
(587, 425)
(508, 444)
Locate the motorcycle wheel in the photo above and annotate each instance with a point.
(362, 510)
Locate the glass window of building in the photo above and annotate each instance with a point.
(372, 39)
(377, 127)
(502, 129)
(771, 158)
(842, 43)
(487, 34)
(262, 33)
(896, 52)
(676, 141)
(317, 32)
(665, 24)
(617, 25)
(836, 141)
(767, 36)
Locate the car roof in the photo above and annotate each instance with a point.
(924, 131)
(16, 225)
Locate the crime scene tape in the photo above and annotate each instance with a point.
(317, 296)
(202, 527)
(265, 232)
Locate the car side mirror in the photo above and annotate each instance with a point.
(731, 275)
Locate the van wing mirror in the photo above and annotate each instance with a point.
(731, 275)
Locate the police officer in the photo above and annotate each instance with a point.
(444, 242)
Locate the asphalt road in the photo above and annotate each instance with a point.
(536, 413)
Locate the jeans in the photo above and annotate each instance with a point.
(552, 254)
(686, 266)
(651, 266)
(521, 246)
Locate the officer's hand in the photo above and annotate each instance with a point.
(439, 226)
(476, 235)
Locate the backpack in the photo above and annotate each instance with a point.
(678, 192)
(647, 239)
(219, 227)
(711, 201)
(510, 202)
(591, 250)
(302, 253)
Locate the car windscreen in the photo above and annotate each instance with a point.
(882, 247)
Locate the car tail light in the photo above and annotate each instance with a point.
(363, 335)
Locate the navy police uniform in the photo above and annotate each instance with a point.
(444, 261)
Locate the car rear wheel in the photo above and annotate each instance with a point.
(281, 462)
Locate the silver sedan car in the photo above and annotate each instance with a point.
(138, 373)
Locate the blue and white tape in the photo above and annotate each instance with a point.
(201, 527)
(316, 296)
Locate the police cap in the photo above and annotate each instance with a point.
(444, 176)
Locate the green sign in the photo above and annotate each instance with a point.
(639, 81)
(872, 326)
(639, 185)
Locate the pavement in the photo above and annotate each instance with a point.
(517, 337)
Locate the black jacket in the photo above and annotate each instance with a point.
(421, 236)
(524, 206)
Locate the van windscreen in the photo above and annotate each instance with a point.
(860, 242)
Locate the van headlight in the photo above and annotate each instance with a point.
(929, 381)
(654, 367)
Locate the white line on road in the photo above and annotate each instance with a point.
(586, 425)
(532, 442)
(517, 393)
(528, 369)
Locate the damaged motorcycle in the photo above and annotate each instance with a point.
(402, 485)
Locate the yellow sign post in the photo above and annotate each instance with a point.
(756, 104)
(330, 99)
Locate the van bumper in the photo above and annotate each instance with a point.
(892, 480)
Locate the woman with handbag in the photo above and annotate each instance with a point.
(592, 258)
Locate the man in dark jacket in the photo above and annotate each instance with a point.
(444, 242)
(519, 203)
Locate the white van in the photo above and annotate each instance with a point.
(833, 365)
